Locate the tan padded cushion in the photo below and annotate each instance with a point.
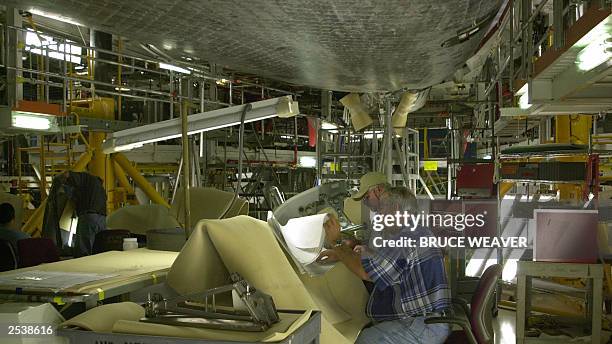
(139, 219)
(198, 266)
(102, 318)
(207, 203)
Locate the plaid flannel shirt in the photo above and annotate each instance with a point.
(407, 281)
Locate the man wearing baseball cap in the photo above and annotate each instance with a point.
(372, 187)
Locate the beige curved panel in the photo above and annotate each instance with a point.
(139, 219)
(208, 203)
(248, 247)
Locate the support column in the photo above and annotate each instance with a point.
(389, 143)
(186, 164)
(326, 103)
(102, 71)
(13, 57)
(212, 87)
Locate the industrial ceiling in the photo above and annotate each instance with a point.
(344, 45)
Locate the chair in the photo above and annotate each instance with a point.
(475, 320)
(35, 251)
(110, 240)
(8, 258)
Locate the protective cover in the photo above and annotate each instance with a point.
(139, 219)
(247, 246)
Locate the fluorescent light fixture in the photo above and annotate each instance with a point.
(205, 121)
(594, 46)
(55, 16)
(52, 48)
(593, 55)
(31, 122)
(122, 89)
(308, 161)
(27, 121)
(79, 67)
(289, 137)
(174, 68)
(328, 126)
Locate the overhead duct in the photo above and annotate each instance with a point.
(409, 102)
(359, 116)
(136, 137)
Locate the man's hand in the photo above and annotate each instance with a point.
(328, 256)
(332, 223)
(360, 250)
(347, 256)
(332, 229)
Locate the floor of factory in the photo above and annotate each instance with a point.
(505, 330)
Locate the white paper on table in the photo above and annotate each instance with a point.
(305, 237)
(55, 280)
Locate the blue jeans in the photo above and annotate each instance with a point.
(88, 226)
(412, 330)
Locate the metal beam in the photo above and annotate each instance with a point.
(13, 57)
(146, 187)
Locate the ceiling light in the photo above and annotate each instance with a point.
(328, 126)
(122, 89)
(308, 161)
(174, 68)
(200, 122)
(79, 67)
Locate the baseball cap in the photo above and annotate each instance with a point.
(367, 181)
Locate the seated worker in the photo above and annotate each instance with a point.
(409, 283)
(7, 226)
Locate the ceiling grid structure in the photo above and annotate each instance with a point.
(343, 45)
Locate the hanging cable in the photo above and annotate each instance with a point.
(247, 107)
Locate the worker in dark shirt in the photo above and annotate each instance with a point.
(89, 197)
(7, 226)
